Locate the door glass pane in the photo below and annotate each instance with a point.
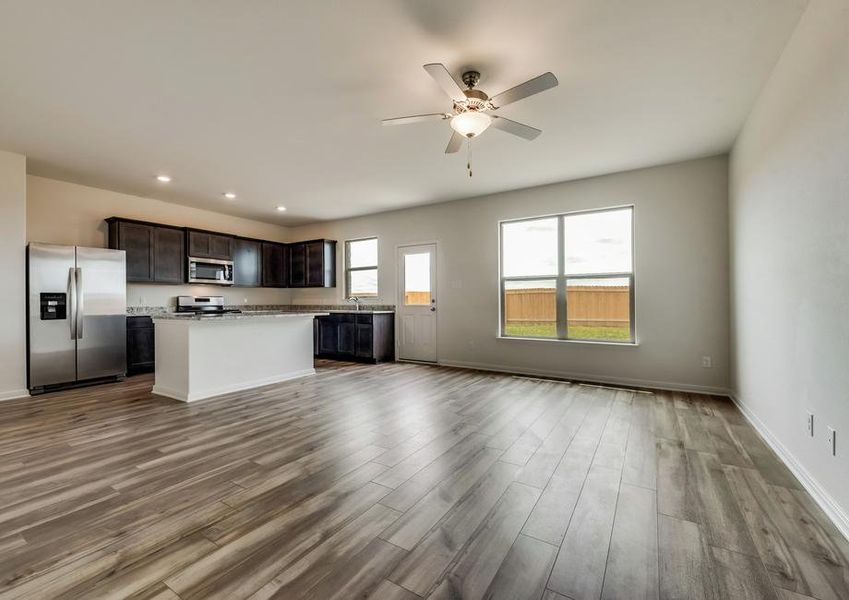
(598, 242)
(599, 309)
(530, 308)
(417, 279)
(363, 283)
(529, 248)
(362, 253)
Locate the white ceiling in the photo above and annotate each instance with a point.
(282, 101)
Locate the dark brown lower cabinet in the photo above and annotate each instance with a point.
(140, 345)
(356, 337)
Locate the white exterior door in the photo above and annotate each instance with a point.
(416, 308)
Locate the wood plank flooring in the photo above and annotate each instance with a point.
(401, 482)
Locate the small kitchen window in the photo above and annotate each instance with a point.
(361, 268)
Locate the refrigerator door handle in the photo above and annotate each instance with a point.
(80, 307)
(72, 301)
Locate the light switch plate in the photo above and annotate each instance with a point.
(811, 424)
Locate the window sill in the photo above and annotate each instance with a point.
(556, 341)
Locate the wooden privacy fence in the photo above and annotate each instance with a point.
(588, 305)
(417, 298)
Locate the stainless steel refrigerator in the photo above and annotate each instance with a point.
(76, 316)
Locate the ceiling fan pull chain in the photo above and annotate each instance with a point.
(469, 161)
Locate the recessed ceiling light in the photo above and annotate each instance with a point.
(163, 178)
(230, 195)
(281, 208)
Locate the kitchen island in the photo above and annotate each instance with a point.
(201, 356)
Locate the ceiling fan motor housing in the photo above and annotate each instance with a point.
(475, 100)
(471, 78)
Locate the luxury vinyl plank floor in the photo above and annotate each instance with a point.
(399, 482)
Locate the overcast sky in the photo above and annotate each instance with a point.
(597, 242)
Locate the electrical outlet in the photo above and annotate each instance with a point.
(707, 362)
(832, 441)
(811, 424)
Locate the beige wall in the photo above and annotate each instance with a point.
(681, 263)
(13, 190)
(790, 254)
(65, 213)
(681, 266)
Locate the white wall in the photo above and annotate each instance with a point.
(681, 274)
(13, 199)
(790, 253)
(66, 213)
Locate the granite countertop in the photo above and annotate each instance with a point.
(367, 309)
(265, 314)
(362, 311)
(323, 311)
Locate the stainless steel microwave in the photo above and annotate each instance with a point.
(210, 270)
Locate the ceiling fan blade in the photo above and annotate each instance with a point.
(445, 81)
(454, 143)
(416, 119)
(523, 90)
(523, 131)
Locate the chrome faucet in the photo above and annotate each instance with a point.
(356, 301)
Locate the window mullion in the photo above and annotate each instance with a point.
(561, 307)
(632, 300)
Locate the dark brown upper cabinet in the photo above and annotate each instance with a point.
(159, 253)
(247, 262)
(312, 264)
(297, 265)
(275, 263)
(169, 264)
(204, 244)
(155, 253)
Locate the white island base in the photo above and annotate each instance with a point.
(198, 358)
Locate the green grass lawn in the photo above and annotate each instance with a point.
(610, 334)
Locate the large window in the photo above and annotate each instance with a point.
(361, 268)
(569, 277)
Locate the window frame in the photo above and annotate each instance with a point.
(349, 268)
(561, 279)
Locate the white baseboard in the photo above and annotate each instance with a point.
(13, 394)
(641, 383)
(229, 389)
(829, 506)
(159, 390)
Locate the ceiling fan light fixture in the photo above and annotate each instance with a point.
(470, 123)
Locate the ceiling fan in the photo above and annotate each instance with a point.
(473, 110)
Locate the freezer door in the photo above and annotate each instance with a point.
(101, 325)
(52, 349)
